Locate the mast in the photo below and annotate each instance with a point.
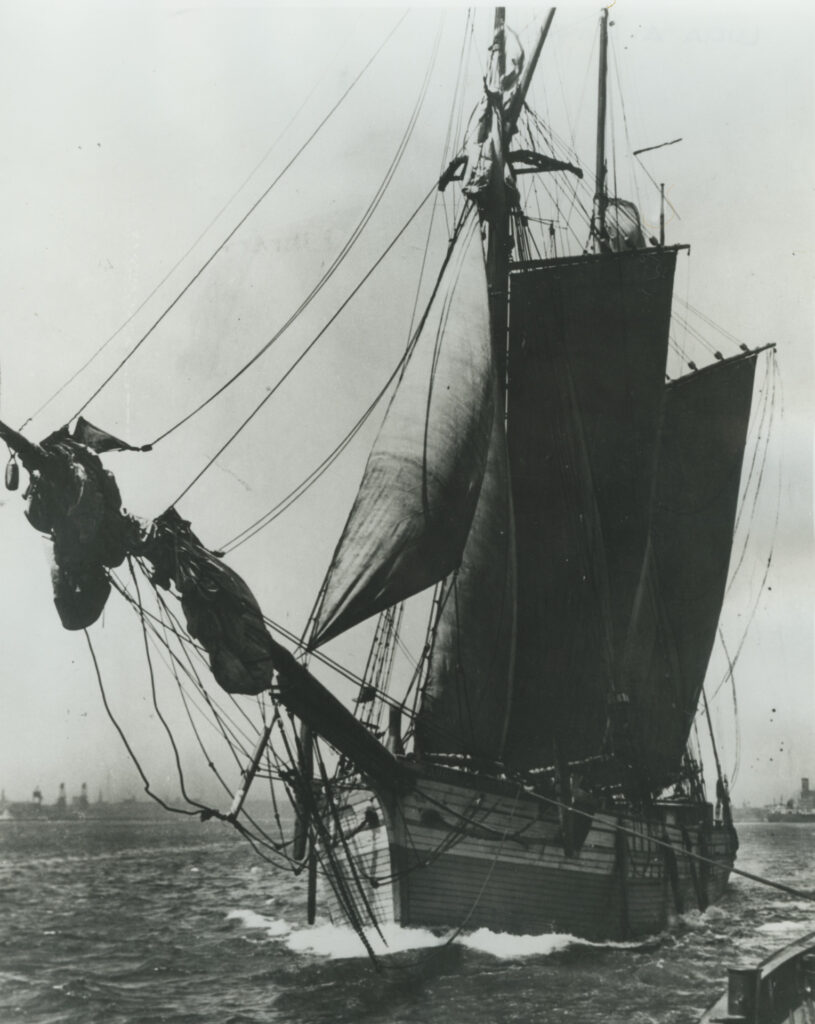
(499, 243)
(526, 77)
(600, 170)
(498, 212)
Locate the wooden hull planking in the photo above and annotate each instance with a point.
(456, 852)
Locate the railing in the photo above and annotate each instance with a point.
(780, 989)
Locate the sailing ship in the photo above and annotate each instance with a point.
(570, 513)
(802, 810)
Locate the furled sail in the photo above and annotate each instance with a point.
(220, 610)
(702, 443)
(466, 699)
(413, 511)
(485, 139)
(588, 346)
(623, 226)
(75, 501)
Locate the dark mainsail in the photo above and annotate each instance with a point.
(412, 514)
(702, 441)
(588, 343)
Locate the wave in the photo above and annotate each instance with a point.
(273, 927)
(341, 942)
(784, 927)
(505, 946)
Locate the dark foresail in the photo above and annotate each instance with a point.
(467, 695)
(413, 511)
(677, 611)
(587, 353)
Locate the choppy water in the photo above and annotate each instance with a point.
(179, 922)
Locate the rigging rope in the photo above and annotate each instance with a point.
(305, 351)
(456, 109)
(259, 837)
(180, 259)
(231, 732)
(133, 758)
(311, 478)
(334, 265)
(762, 583)
(701, 858)
(615, 62)
(307, 482)
(241, 222)
(156, 708)
(731, 673)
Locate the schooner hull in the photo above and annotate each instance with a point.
(452, 854)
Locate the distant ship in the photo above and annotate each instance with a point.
(78, 809)
(801, 811)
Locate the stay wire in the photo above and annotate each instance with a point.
(732, 676)
(619, 827)
(261, 836)
(285, 503)
(758, 461)
(213, 220)
(762, 584)
(454, 127)
(464, 217)
(308, 481)
(188, 703)
(123, 737)
(335, 874)
(156, 708)
(234, 733)
(208, 465)
(229, 735)
(311, 478)
(335, 264)
(240, 223)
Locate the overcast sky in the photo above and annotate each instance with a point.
(128, 132)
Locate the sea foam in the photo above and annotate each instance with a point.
(341, 942)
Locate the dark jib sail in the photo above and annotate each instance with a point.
(412, 514)
(587, 353)
(702, 443)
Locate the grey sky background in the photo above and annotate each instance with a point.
(128, 131)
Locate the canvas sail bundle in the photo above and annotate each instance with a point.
(623, 226)
(485, 139)
(219, 608)
(75, 501)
